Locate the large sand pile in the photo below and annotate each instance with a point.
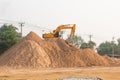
(33, 52)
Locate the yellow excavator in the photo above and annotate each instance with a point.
(55, 33)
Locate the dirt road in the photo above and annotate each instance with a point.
(106, 73)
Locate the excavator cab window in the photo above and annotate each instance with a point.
(57, 34)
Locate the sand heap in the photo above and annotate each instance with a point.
(33, 52)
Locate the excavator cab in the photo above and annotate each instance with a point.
(57, 34)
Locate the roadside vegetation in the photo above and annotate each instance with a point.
(8, 37)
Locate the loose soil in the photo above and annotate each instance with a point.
(34, 52)
(106, 73)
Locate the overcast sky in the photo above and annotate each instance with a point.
(101, 18)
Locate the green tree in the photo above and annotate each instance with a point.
(91, 44)
(77, 40)
(118, 47)
(118, 40)
(84, 45)
(8, 37)
(105, 48)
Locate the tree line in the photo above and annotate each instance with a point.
(109, 47)
(9, 36)
(105, 48)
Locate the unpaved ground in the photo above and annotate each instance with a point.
(106, 73)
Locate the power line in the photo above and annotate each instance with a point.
(9, 21)
(4, 21)
(38, 26)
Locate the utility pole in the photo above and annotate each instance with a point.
(21, 25)
(113, 51)
(90, 36)
(89, 42)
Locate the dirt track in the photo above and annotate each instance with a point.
(106, 73)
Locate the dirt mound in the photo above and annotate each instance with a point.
(91, 58)
(61, 54)
(33, 52)
(26, 53)
(33, 37)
